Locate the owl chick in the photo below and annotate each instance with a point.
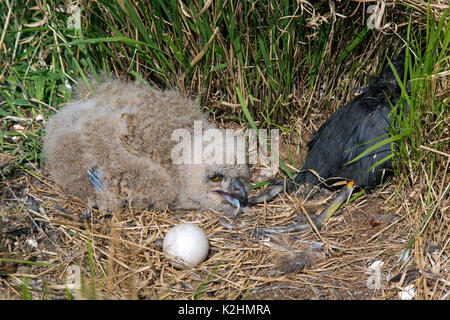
(115, 148)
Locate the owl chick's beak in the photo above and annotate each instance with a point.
(235, 194)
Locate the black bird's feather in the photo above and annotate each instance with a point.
(347, 133)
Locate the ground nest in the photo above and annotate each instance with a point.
(52, 247)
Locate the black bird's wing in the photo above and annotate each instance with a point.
(347, 133)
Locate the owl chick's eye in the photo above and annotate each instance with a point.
(216, 177)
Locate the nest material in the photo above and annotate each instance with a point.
(119, 255)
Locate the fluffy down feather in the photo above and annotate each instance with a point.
(114, 148)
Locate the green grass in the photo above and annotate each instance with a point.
(201, 290)
(425, 124)
(265, 49)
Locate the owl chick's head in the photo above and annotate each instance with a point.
(219, 187)
(226, 188)
(213, 171)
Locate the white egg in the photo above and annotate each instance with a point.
(185, 246)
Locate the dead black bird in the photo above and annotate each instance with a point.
(350, 131)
